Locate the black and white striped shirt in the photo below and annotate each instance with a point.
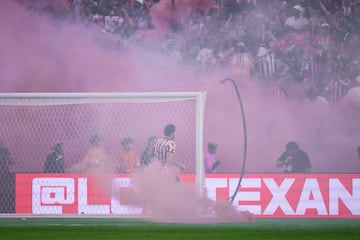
(162, 147)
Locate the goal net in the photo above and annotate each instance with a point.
(32, 123)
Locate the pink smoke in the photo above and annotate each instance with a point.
(167, 200)
(39, 54)
(164, 11)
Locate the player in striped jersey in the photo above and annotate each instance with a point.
(242, 62)
(165, 148)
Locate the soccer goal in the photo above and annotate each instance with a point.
(33, 123)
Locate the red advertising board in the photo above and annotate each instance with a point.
(265, 195)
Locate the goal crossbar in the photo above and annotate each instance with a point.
(28, 99)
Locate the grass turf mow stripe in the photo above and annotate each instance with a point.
(98, 228)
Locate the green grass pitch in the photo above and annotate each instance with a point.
(112, 228)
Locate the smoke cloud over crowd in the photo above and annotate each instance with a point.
(41, 52)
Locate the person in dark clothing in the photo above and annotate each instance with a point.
(5, 159)
(149, 153)
(294, 160)
(7, 181)
(55, 161)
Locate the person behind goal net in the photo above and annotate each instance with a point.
(165, 149)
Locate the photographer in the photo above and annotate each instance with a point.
(294, 160)
(55, 160)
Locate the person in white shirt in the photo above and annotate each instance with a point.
(297, 21)
(353, 95)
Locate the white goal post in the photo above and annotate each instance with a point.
(31, 123)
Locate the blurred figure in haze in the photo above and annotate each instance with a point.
(127, 159)
(296, 21)
(94, 159)
(149, 153)
(55, 160)
(264, 63)
(206, 57)
(358, 152)
(294, 159)
(7, 181)
(209, 158)
(242, 62)
(171, 50)
(5, 159)
(352, 98)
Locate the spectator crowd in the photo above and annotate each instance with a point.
(308, 45)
